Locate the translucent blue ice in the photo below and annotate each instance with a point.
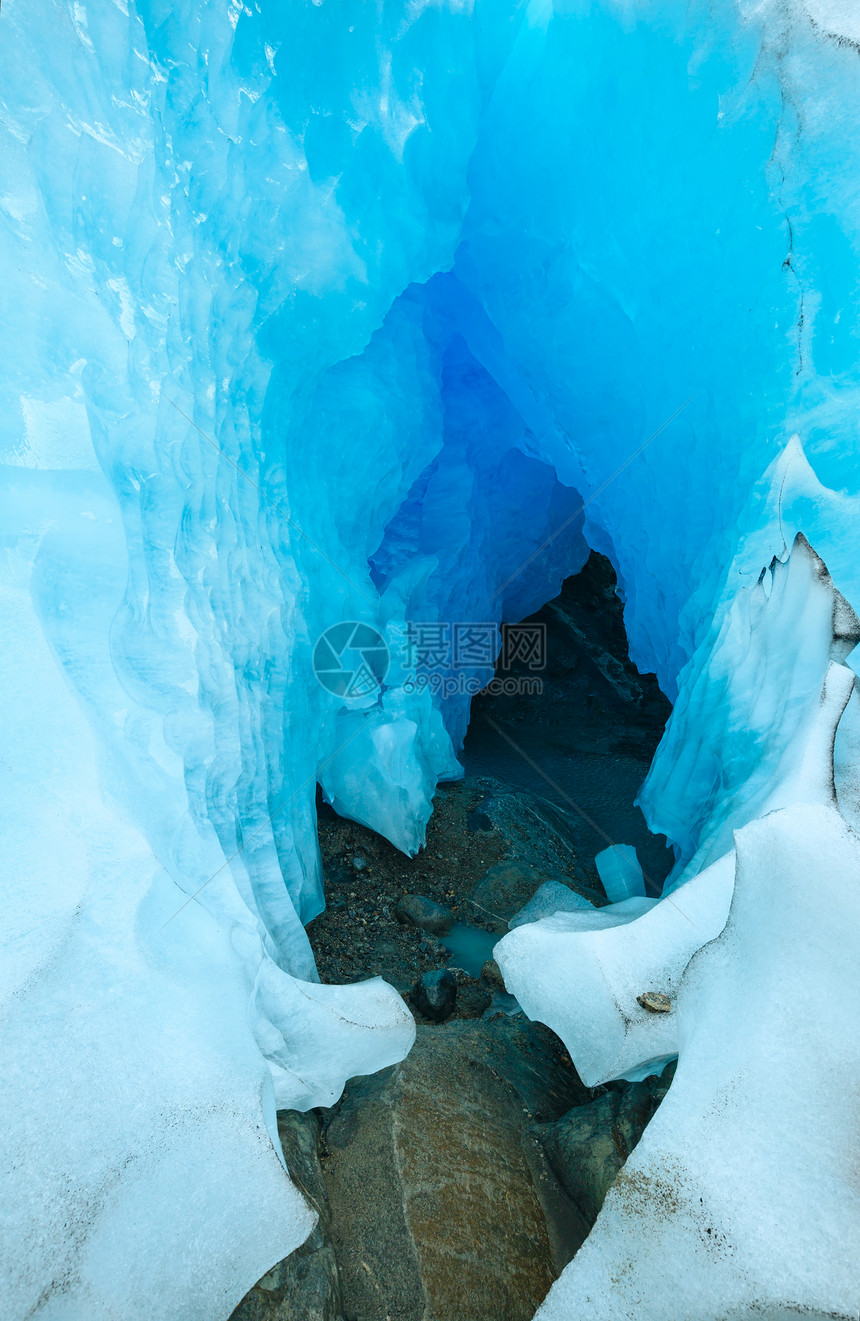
(338, 312)
(620, 873)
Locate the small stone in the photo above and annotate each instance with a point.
(492, 975)
(359, 863)
(435, 994)
(424, 913)
(655, 1002)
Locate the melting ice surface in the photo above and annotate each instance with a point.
(620, 873)
(339, 312)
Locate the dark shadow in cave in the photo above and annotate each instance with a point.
(586, 739)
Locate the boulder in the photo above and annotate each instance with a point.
(491, 973)
(516, 891)
(438, 1191)
(473, 998)
(552, 897)
(426, 914)
(435, 994)
(505, 888)
(538, 833)
(588, 1147)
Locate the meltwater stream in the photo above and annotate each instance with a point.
(470, 947)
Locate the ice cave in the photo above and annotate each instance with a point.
(430, 742)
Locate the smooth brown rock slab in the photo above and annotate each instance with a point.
(433, 1184)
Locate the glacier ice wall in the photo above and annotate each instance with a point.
(322, 312)
(753, 954)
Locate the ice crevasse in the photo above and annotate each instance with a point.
(326, 312)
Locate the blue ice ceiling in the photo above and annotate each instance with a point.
(347, 311)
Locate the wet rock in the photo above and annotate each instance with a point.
(359, 863)
(588, 1147)
(473, 1000)
(478, 820)
(304, 1286)
(435, 994)
(540, 855)
(439, 1195)
(655, 1002)
(552, 897)
(538, 833)
(504, 890)
(491, 973)
(424, 913)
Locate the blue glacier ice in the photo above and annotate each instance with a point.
(620, 873)
(328, 312)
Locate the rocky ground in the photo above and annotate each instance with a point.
(487, 851)
(359, 935)
(456, 1185)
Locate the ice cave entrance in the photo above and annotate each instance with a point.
(559, 742)
(555, 752)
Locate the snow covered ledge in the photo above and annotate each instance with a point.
(741, 1199)
(778, 651)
